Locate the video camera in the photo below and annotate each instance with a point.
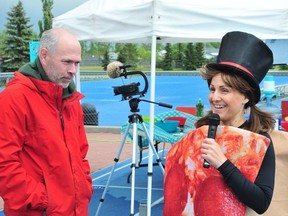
(128, 91)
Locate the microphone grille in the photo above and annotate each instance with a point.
(214, 119)
(113, 69)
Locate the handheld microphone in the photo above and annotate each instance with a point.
(214, 121)
(114, 69)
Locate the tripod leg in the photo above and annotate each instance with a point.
(158, 159)
(150, 168)
(112, 171)
(133, 166)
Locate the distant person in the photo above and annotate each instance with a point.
(43, 144)
(233, 81)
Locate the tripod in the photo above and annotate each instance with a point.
(134, 118)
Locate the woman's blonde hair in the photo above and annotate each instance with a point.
(259, 120)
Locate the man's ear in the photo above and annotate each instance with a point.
(43, 54)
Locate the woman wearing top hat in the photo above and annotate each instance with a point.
(233, 81)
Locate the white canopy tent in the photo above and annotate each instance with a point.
(152, 21)
(174, 20)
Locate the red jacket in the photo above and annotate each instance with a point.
(43, 146)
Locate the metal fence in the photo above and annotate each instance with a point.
(4, 79)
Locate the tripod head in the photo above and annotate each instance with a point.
(134, 103)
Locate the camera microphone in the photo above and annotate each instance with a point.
(114, 69)
(214, 121)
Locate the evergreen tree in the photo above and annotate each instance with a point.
(199, 55)
(128, 54)
(105, 60)
(144, 51)
(15, 50)
(167, 63)
(2, 38)
(2, 42)
(46, 24)
(179, 55)
(84, 48)
(190, 58)
(122, 55)
(99, 48)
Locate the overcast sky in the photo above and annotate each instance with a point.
(33, 9)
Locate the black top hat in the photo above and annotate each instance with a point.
(245, 55)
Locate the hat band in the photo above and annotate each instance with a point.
(237, 66)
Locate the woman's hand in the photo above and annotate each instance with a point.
(211, 152)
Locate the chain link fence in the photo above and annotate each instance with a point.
(4, 79)
(90, 114)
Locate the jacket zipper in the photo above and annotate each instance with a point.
(62, 120)
(59, 108)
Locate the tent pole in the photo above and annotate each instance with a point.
(77, 79)
(151, 128)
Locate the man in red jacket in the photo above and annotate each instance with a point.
(43, 145)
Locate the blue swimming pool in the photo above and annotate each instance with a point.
(174, 90)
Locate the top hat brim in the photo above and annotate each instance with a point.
(234, 70)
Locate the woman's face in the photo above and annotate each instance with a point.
(227, 102)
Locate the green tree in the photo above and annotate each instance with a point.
(179, 55)
(98, 48)
(15, 50)
(144, 51)
(84, 48)
(199, 55)
(105, 60)
(167, 62)
(118, 47)
(128, 54)
(213, 45)
(2, 40)
(46, 24)
(190, 57)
